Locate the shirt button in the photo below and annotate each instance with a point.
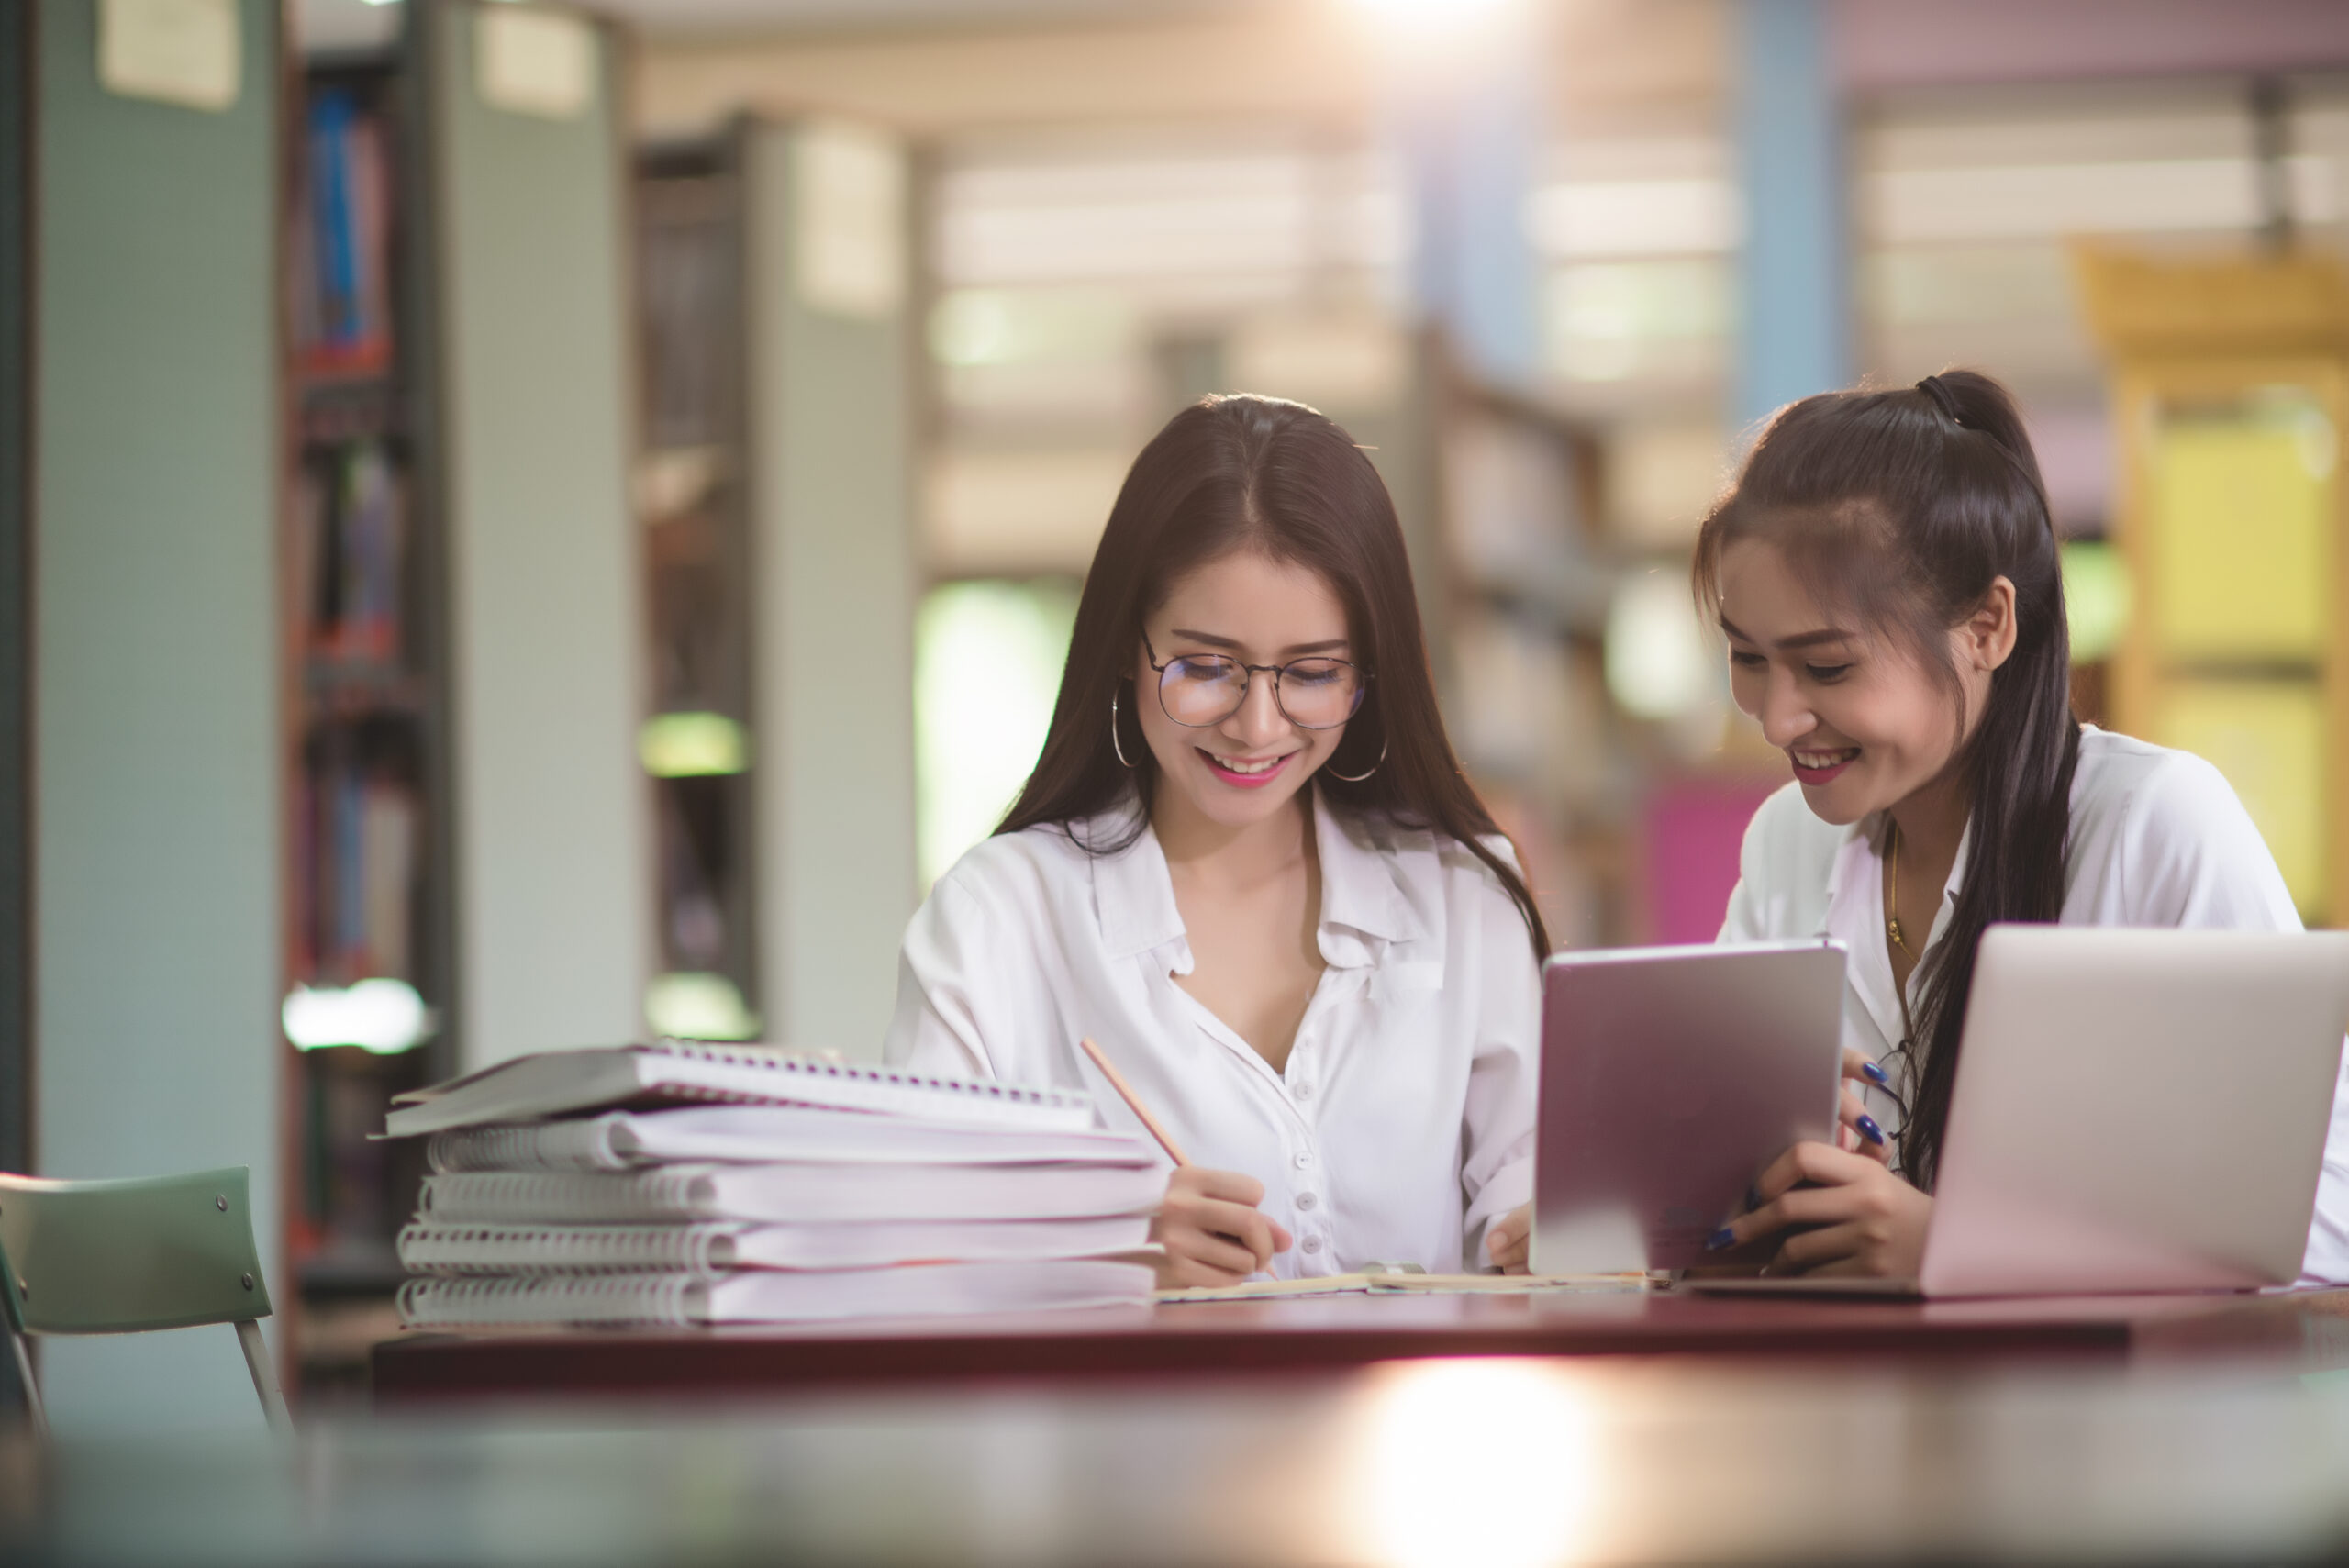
(1303, 1159)
(1306, 1200)
(1302, 1091)
(1312, 1244)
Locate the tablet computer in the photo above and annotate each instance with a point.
(1670, 1078)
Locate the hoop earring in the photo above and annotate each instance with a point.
(1357, 778)
(1114, 746)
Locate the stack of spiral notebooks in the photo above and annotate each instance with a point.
(683, 1184)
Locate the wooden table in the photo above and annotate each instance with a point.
(1325, 1335)
(1599, 1460)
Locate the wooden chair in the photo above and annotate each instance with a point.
(125, 1257)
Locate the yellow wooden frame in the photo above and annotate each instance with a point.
(2215, 331)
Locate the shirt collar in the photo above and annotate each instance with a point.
(1361, 901)
(1132, 894)
(1361, 898)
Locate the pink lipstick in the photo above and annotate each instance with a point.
(1245, 781)
(1811, 776)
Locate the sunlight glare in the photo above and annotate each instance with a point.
(1428, 15)
(1487, 1462)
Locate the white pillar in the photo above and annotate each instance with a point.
(834, 577)
(553, 879)
(155, 666)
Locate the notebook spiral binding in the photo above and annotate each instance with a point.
(537, 1298)
(554, 1145)
(555, 1197)
(473, 1250)
(986, 1089)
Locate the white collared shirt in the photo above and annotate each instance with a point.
(1404, 1122)
(2158, 838)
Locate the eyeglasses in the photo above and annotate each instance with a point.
(1202, 689)
(1898, 1064)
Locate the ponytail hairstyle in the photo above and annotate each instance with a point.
(1239, 472)
(1900, 509)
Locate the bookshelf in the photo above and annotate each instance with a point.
(1520, 577)
(693, 500)
(1591, 710)
(465, 864)
(369, 966)
(773, 309)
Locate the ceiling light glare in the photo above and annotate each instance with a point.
(1431, 14)
(693, 745)
(385, 1017)
(1442, 45)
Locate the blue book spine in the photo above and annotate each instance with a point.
(330, 118)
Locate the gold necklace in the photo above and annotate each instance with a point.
(1892, 894)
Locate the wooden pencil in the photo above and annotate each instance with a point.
(1133, 1103)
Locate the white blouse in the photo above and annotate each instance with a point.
(2158, 838)
(1404, 1122)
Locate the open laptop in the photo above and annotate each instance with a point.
(2135, 1110)
(1670, 1077)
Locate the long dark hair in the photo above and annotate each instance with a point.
(1902, 507)
(1238, 473)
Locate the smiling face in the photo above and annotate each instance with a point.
(1247, 607)
(1865, 724)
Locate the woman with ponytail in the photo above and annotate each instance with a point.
(1248, 867)
(1886, 574)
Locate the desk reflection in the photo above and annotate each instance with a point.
(1491, 1461)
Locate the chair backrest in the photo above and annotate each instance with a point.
(120, 1257)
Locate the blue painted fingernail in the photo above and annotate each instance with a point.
(1869, 1130)
(1753, 1197)
(1877, 1075)
(1724, 1237)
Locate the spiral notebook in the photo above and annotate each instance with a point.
(716, 1248)
(559, 1083)
(829, 1193)
(621, 1140)
(686, 1300)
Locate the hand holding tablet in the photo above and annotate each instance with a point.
(1671, 1078)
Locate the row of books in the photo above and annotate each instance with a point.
(341, 282)
(357, 843)
(687, 1184)
(351, 517)
(355, 1187)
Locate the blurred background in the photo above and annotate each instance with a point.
(532, 526)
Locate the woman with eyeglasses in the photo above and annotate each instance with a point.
(1887, 576)
(1247, 866)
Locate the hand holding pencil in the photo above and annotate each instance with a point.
(1210, 1224)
